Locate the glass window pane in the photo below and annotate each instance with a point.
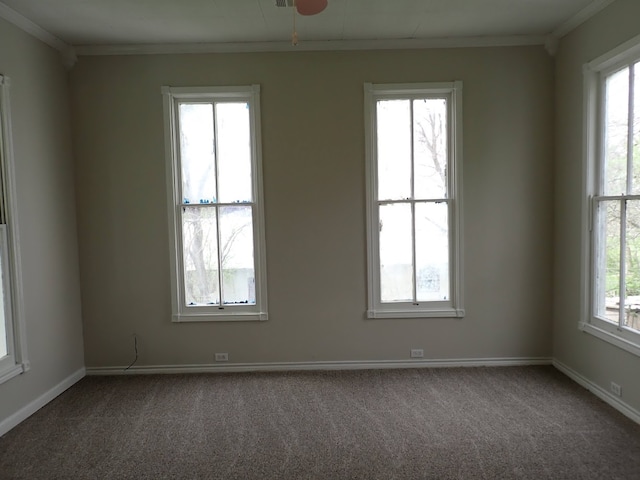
(632, 266)
(3, 319)
(608, 262)
(430, 141)
(200, 247)
(238, 270)
(197, 155)
(396, 253)
(3, 338)
(616, 133)
(394, 149)
(5, 329)
(636, 130)
(234, 152)
(432, 251)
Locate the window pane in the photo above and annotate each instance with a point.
(636, 130)
(200, 246)
(197, 155)
(394, 149)
(432, 251)
(236, 240)
(3, 318)
(234, 152)
(430, 147)
(608, 262)
(632, 267)
(396, 253)
(5, 337)
(616, 133)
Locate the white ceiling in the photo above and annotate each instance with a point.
(153, 22)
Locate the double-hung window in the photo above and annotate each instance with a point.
(414, 159)
(612, 198)
(13, 349)
(215, 203)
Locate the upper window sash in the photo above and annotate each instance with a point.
(452, 198)
(173, 98)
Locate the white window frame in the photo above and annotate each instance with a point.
(454, 306)
(180, 311)
(594, 76)
(16, 361)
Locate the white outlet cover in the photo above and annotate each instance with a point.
(616, 389)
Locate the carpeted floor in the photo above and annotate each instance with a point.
(475, 423)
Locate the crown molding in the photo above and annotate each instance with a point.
(551, 45)
(582, 16)
(311, 45)
(67, 52)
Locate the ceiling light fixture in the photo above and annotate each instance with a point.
(310, 7)
(303, 7)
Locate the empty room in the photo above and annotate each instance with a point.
(360, 239)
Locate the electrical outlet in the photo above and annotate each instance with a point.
(222, 357)
(616, 389)
(417, 353)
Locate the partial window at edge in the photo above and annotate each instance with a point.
(612, 198)
(13, 354)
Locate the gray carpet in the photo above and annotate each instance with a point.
(488, 423)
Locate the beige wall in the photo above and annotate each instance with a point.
(595, 359)
(313, 156)
(46, 210)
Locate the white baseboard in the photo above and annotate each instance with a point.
(31, 408)
(339, 365)
(599, 392)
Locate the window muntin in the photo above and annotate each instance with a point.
(612, 197)
(413, 164)
(218, 265)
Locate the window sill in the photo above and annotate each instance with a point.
(11, 372)
(225, 317)
(444, 313)
(611, 337)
